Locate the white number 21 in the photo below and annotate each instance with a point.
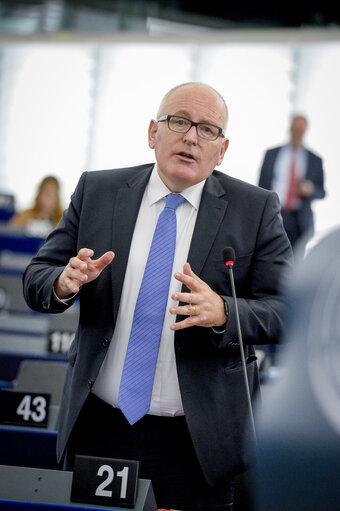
(101, 492)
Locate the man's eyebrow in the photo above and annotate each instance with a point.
(184, 113)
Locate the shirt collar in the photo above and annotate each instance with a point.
(297, 150)
(157, 190)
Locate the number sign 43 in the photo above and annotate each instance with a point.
(32, 409)
(104, 480)
(24, 408)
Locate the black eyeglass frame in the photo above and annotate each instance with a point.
(192, 123)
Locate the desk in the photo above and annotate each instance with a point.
(25, 488)
(10, 362)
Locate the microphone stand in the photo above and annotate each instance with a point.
(230, 267)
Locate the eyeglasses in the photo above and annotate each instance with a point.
(183, 125)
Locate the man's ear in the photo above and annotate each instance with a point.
(153, 127)
(223, 149)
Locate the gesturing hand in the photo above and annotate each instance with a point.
(205, 307)
(80, 270)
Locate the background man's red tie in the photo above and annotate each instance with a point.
(291, 192)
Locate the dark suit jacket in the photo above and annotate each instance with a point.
(314, 173)
(102, 216)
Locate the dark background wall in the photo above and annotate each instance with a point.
(133, 14)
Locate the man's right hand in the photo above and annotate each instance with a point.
(80, 270)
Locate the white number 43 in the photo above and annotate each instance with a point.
(34, 409)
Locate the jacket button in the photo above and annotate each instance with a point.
(90, 384)
(105, 342)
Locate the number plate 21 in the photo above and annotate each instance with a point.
(104, 480)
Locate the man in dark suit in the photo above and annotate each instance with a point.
(193, 441)
(296, 174)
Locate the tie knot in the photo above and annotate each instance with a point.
(173, 200)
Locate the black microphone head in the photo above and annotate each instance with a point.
(228, 254)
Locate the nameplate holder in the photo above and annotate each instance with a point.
(108, 481)
(29, 409)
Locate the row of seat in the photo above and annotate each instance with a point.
(33, 360)
(25, 331)
(33, 364)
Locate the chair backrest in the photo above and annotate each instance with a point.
(42, 376)
(11, 294)
(7, 206)
(62, 329)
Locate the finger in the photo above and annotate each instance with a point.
(193, 283)
(75, 267)
(76, 263)
(76, 274)
(185, 310)
(73, 285)
(184, 297)
(187, 323)
(188, 271)
(85, 253)
(193, 310)
(104, 260)
(188, 276)
(66, 286)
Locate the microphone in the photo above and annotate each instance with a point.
(228, 255)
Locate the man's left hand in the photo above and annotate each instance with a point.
(305, 188)
(205, 307)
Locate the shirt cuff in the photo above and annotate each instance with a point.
(63, 300)
(220, 329)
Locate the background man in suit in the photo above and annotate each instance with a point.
(192, 442)
(296, 174)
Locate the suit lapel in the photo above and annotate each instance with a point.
(125, 214)
(210, 215)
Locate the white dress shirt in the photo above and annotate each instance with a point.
(282, 170)
(166, 398)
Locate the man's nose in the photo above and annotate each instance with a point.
(191, 135)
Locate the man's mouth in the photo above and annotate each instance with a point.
(187, 156)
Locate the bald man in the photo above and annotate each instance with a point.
(192, 439)
(297, 175)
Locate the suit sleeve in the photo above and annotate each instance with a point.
(46, 266)
(266, 171)
(261, 311)
(317, 178)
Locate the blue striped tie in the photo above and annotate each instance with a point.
(142, 352)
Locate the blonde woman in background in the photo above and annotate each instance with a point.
(46, 211)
